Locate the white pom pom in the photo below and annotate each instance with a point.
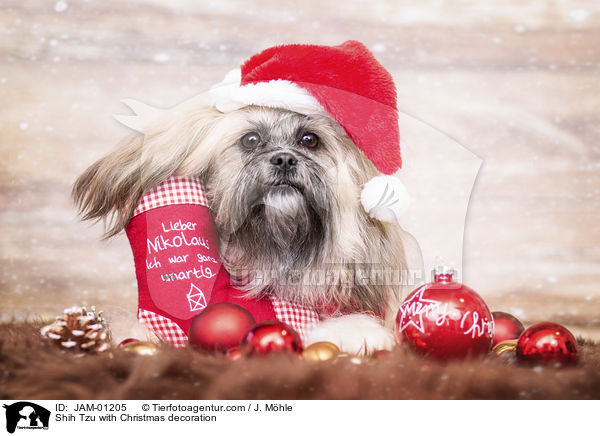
(385, 198)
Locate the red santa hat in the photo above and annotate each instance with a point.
(345, 82)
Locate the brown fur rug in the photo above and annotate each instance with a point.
(31, 368)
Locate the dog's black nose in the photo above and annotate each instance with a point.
(284, 161)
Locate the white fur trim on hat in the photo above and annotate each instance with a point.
(385, 198)
(228, 95)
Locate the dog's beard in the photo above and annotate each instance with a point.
(278, 225)
(289, 220)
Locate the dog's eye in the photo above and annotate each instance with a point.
(251, 140)
(309, 140)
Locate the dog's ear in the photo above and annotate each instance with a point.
(182, 143)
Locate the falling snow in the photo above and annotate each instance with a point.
(61, 6)
(579, 14)
(161, 57)
(378, 48)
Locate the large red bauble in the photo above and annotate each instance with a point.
(547, 342)
(445, 319)
(506, 327)
(272, 335)
(220, 326)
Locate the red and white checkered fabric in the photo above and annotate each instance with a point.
(176, 190)
(301, 318)
(165, 329)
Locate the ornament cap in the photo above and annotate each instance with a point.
(443, 273)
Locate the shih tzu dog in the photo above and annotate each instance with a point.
(290, 150)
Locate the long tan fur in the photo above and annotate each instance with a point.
(111, 188)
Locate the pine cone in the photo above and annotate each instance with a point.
(79, 330)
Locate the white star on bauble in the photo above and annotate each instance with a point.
(413, 307)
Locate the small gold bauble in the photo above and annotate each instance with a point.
(504, 346)
(320, 351)
(141, 348)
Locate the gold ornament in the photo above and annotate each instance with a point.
(504, 346)
(320, 351)
(141, 348)
(79, 330)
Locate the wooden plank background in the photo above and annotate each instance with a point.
(516, 82)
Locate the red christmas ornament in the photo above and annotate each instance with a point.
(506, 327)
(445, 319)
(234, 354)
(381, 354)
(272, 335)
(547, 342)
(127, 341)
(220, 326)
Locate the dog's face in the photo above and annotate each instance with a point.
(273, 188)
(284, 190)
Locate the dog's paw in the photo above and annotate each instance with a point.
(356, 334)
